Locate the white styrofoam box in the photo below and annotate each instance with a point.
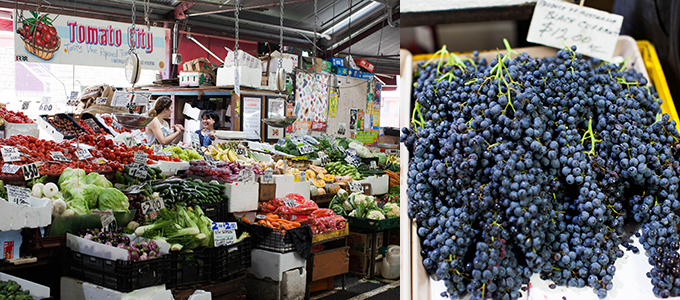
(380, 185)
(51, 132)
(14, 216)
(272, 265)
(190, 126)
(284, 185)
(244, 59)
(291, 287)
(226, 134)
(287, 64)
(170, 168)
(250, 77)
(302, 188)
(37, 291)
(200, 295)
(88, 247)
(10, 242)
(242, 196)
(191, 112)
(74, 289)
(12, 129)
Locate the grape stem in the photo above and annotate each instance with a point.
(442, 52)
(420, 123)
(590, 134)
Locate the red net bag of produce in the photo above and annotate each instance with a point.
(290, 210)
(323, 212)
(267, 207)
(296, 197)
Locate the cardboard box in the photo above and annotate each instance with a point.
(355, 73)
(326, 66)
(195, 79)
(321, 65)
(364, 64)
(336, 61)
(362, 242)
(242, 196)
(340, 71)
(272, 265)
(358, 263)
(10, 242)
(250, 77)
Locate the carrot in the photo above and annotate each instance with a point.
(244, 219)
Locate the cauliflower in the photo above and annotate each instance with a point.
(347, 206)
(392, 210)
(375, 215)
(359, 199)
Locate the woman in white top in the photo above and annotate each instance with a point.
(158, 130)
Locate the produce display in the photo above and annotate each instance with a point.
(176, 191)
(14, 117)
(90, 131)
(11, 290)
(534, 165)
(109, 121)
(137, 250)
(65, 126)
(224, 171)
(344, 169)
(295, 208)
(184, 154)
(124, 177)
(395, 179)
(273, 221)
(362, 206)
(84, 192)
(183, 228)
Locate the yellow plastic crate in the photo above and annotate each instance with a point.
(658, 79)
(330, 235)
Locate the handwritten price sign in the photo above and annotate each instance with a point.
(10, 154)
(224, 233)
(355, 187)
(30, 171)
(152, 206)
(557, 23)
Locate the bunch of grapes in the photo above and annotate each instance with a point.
(525, 165)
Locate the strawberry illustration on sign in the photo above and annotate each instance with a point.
(39, 35)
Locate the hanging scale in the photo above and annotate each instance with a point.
(132, 63)
(280, 72)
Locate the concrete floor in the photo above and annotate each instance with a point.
(360, 289)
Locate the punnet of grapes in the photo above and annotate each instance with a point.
(523, 165)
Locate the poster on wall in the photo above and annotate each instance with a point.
(251, 121)
(353, 115)
(64, 39)
(332, 104)
(375, 116)
(311, 96)
(276, 107)
(360, 120)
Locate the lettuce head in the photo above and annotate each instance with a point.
(69, 173)
(97, 179)
(114, 199)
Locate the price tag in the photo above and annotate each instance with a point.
(556, 23)
(324, 158)
(101, 100)
(224, 233)
(141, 99)
(10, 154)
(333, 142)
(260, 217)
(59, 156)
(30, 171)
(129, 141)
(303, 177)
(108, 221)
(209, 159)
(140, 158)
(100, 161)
(281, 142)
(310, 140)
(138, 170)
(268, 177)
(166, 153)
(93, 125)
(342, 149)
(24, 105)
(352, 160)
(46, 104)
(116, 125)
(195, 140)
(121, 99)
(152, 206)
(18, 195)
(83, 154)
(157, 149)
(355, 187)
(304, 149)
(240, 150)
(289, 202)
(74, 95)
(246, 175)
(10, 169)
(374, 165)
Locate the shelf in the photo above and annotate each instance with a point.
(202, 90)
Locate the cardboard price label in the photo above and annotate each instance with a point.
(138, 170)
(152, 206)
(304, 149)
(352, 160)
(246, 175)
(324, 158)
(140, 158)
(59, 156)
(46, 104)
(373, 165)
(129, 141)
(268, 177)
(108, 221)
(101, 100)
(121, 99)
(355, 187)
(557, 23)
(83, 154)
(30, 171)
(157, 149)
(18, 195)
(240, 150)
(289, 202)
(24, 105)
(195, 140)
(10, 169)
(93, 125)
(10, 154)
(224, 233)
(116, 125)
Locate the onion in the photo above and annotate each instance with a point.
(37, 190)
(59, 206)
(68, 213)
(50, 190)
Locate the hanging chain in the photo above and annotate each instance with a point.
(316, 17)
(238, 7)
(133, 29)
(280, 66)
(333, 26)
(147, 12)
(349, 29)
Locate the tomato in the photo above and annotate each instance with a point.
(40, 42)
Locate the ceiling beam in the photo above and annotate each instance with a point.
(359, 35)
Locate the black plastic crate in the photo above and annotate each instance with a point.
(232, 259)
(190, 267)
(217, 211)
(120, 275)
(277, 241)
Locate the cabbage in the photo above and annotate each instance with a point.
(68, 185)
(111, 198)
(91, 193)
(79, 206)
(69, 173)
(96, 179)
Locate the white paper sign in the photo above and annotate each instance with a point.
(152, 206)
(558, 23)
(101, 100)
(246, 175)
(83, 154)
(268, 176)
(289, 202)
(107, 219)
(355, 187)
(140, 158)
(352, 160)
(141, 99)
(324, 158)
(138, 170)
(10, 154)
(59, 156)
(30, 171)
(10, 169)
(121, 99)
(129, 141)
(224, 233)
(304, 149)
(195, 140)
(18, 195)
